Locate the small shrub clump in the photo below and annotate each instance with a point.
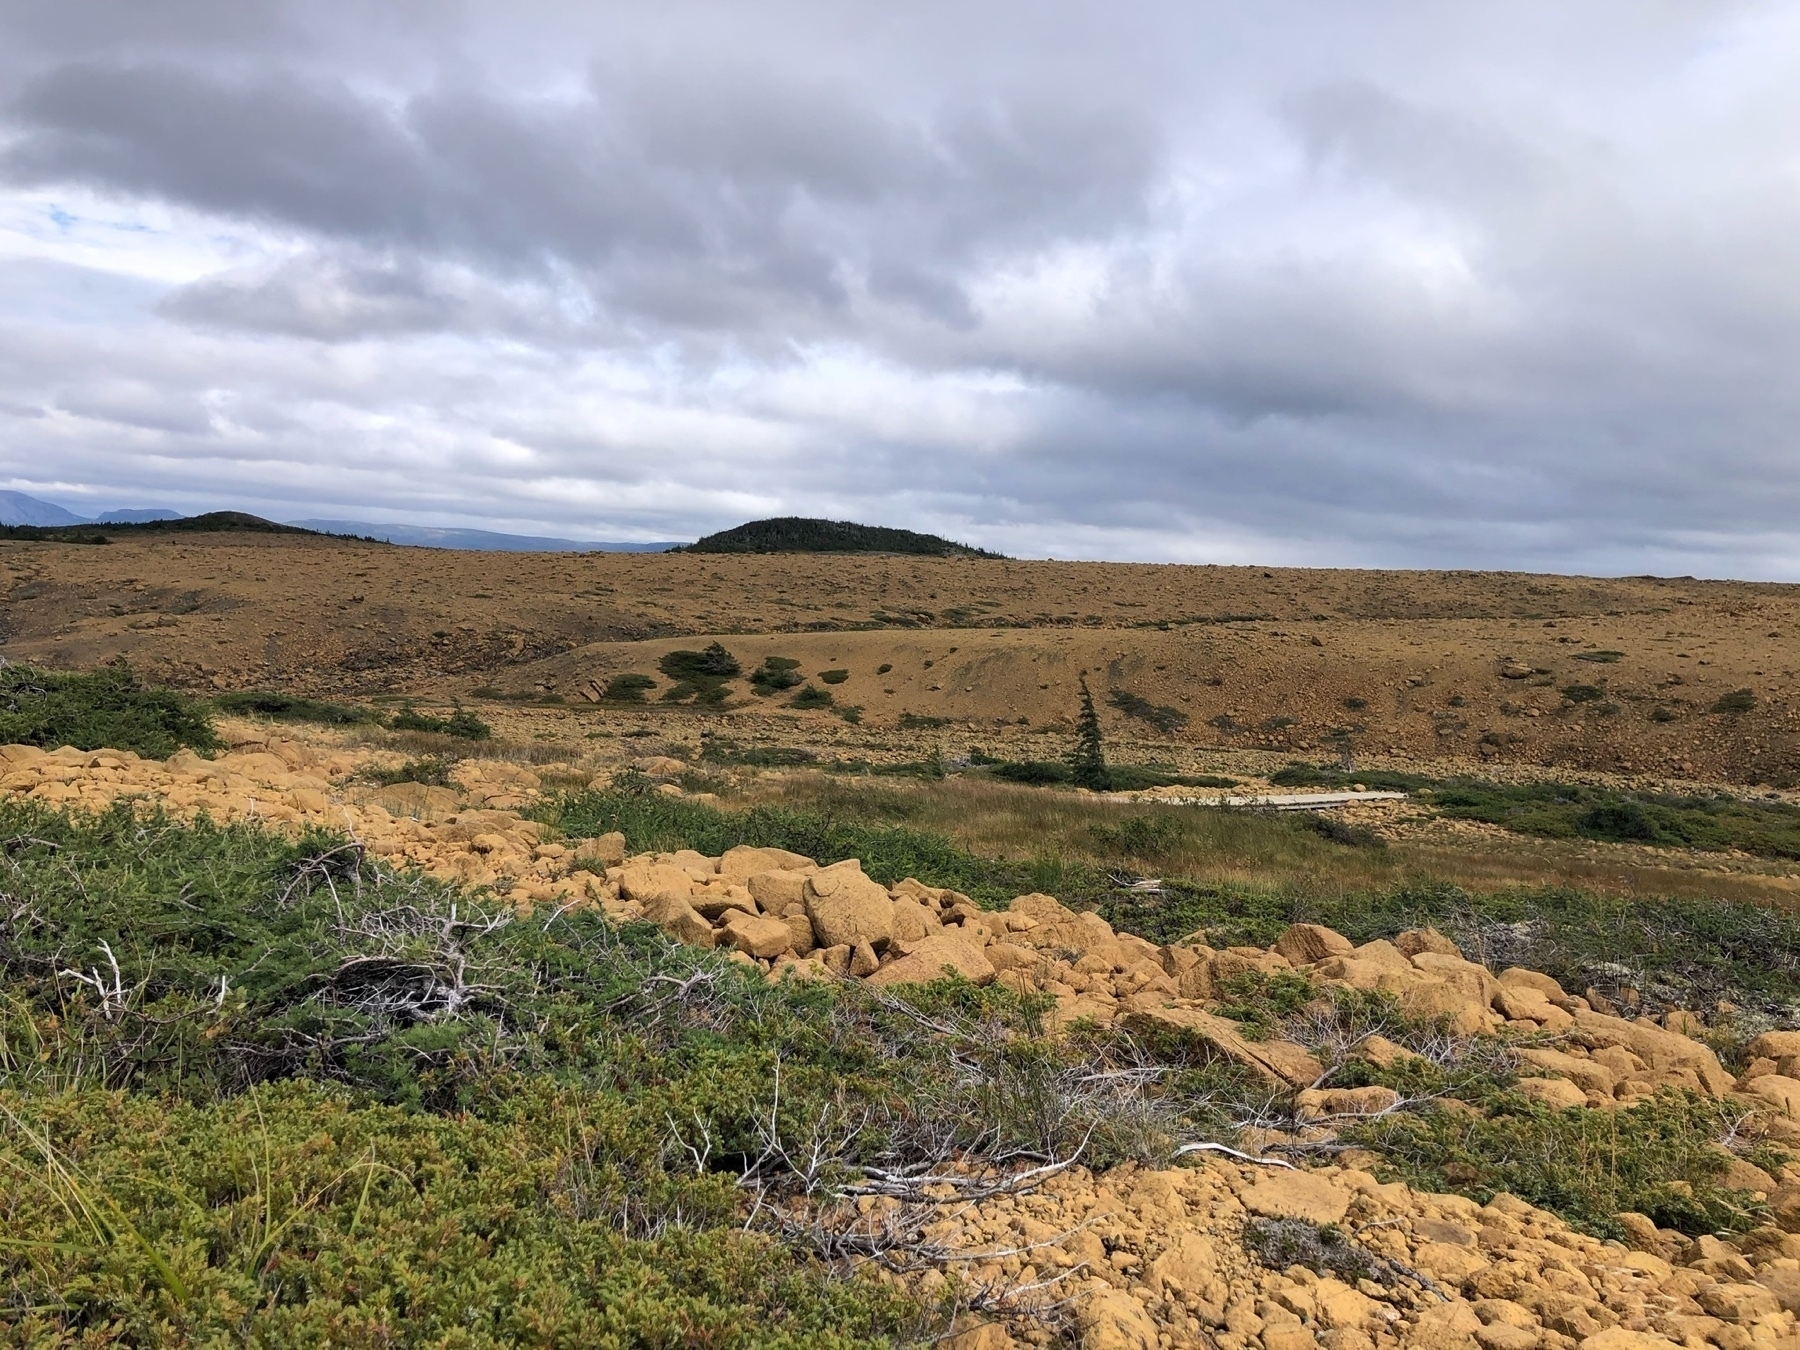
(462, 724)
(700, 676)
(811, 697)
(293, 708)
(834, 676)
(773, 675)
(627, 688)
(102, 709)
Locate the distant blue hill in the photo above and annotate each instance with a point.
(18, 509)
(426, 536)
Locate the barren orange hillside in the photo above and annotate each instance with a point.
(1619, 674)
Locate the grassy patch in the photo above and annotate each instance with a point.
(833, 676)
(102, 709)
(1572, 811)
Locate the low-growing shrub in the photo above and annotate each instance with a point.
(834, 676)
(627, 688)
(462, 724)
(1338, 831)
(102, 709)
(700, 676)
(775, 674)
(293, 708)
(1329, 776)
(1324, 1249)
(1659, 1158)
(1583, 693)
(1146, 837)
(432, 771)
(811, 697)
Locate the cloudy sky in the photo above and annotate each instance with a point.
(1423, 283)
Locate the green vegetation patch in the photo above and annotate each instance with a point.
(627, 688)
(432, 771)
(833, 676)
(1737, 701)
(293, 708)
(1605, 658)
(1659, 1158)
(775, 674)
(812, 697)
(699, 676)
(1769, 829)
(462, 724)
(102, 709)
(1332, 778)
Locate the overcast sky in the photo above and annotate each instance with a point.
(1299, 281)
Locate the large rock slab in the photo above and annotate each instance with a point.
(847, 908)
(932, 957)
(1280, 1062)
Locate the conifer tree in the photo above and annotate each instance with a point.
(1087, 763)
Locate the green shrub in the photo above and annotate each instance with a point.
(834, 676)
(462, 724)
(811, 697)
(1659, 1158)
(432, 770)
(1149, 836)
(1331, 828)
(627, 688)
(774, 674)
(911, 721)
(103, 709)
(1737, 701)
(293, 708)
(1583, 693)
(1606, 658)
(700, 675)
(1035, 772)
(1323, 776)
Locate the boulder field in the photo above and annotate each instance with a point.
(1133, 1259)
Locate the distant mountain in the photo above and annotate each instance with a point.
(426, 536)
(798, 534)
(18, 509)
(138, 516)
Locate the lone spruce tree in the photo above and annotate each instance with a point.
(1087, 762)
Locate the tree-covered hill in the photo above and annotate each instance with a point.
(800, 534)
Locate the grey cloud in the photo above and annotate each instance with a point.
(319, 297)
(1422, 284)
